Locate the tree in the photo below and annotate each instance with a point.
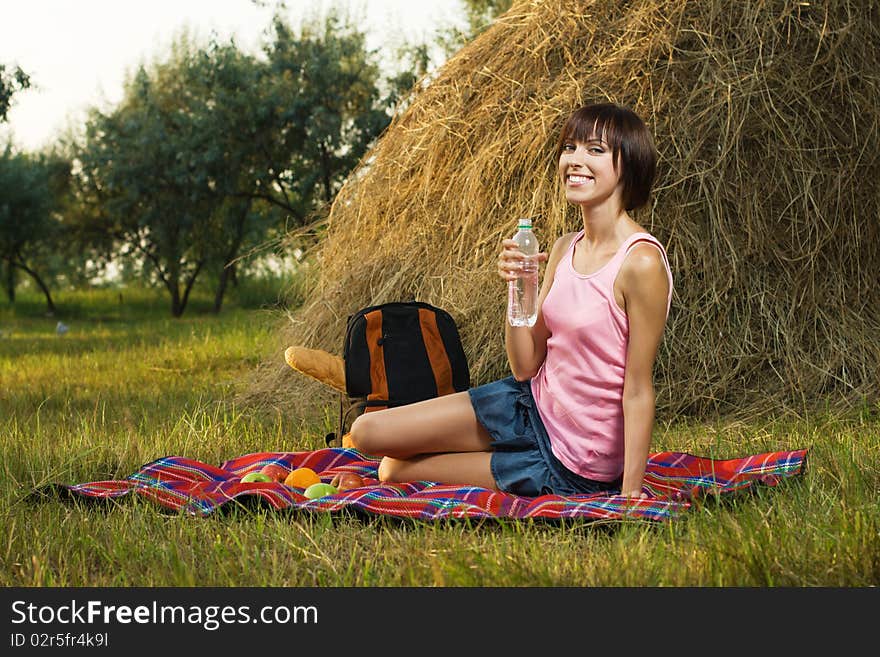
(30, 225)
(330, 83)
(11, 82)
(296, 126)
(290, 129)
(243, 116)
(143, 167)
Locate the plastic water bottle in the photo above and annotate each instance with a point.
(522, 294)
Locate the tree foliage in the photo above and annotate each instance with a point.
(11, 82)
(481, 13)
(330, 84)
(31, 191)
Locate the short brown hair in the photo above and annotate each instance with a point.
(630, 140)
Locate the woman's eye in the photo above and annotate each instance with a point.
(568, 147)
(596, 149)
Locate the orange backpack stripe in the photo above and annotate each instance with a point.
(378, 380)
(440, 364)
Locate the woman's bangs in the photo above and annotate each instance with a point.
(588, 125)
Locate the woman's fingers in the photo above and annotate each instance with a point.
(509, 271)
(510, 260)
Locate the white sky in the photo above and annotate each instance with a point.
(78, 52)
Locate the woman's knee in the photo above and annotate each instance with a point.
(362, 433)
(390, 469)
(367, 434)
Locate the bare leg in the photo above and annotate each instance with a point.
(435, 440)
(467, 468)
(442, 424)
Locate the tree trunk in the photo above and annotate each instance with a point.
(189, 286)
(50, 305)
(325, 174)
(173, 287)
(10, 282)
(176, 306)
(221, 288)
(228, 272)
(170, 279)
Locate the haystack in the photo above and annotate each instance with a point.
(766, 115)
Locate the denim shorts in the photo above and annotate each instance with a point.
(522, 462)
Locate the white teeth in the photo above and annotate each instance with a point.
(578, 179)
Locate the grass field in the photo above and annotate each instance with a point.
(127, 384)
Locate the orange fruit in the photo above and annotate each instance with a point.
(302, 478)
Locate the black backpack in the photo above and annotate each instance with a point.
(399, 353)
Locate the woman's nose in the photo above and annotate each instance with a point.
(578, 154)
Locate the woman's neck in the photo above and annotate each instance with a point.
(604, 225)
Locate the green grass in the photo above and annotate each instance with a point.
(127, 384)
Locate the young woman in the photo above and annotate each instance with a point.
(578, 412)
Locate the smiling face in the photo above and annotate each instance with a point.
(605, 149)
(588, 172)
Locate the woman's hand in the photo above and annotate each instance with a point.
(511, 259)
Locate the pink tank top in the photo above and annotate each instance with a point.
(579, 388)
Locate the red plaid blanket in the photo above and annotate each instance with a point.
(673, 480)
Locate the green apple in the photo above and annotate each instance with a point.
(315, 491)
(252, 477)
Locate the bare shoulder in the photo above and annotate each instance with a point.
(559, 247)
(644, 269)
(644, 258)
(562, 243)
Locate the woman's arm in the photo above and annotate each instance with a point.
(645, 288)
(527, 346)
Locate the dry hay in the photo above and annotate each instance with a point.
(765, 115)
